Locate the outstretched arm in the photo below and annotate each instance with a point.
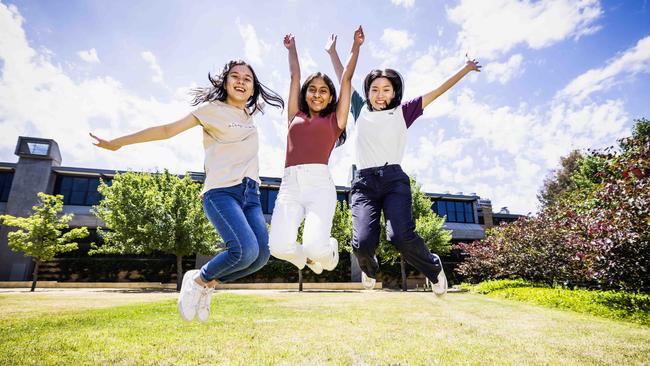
(346, 79)
(330, 48)
(470, 65)
(294, 68)
(162, 132)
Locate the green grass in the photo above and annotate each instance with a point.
(608, 304)
(316, 328)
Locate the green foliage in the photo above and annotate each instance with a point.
(560, 182)
(41, 235)
(342, 226)
(147, 212)
(596, 234)
(609, 304)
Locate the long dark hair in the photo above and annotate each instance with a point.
(331, 107)
(218, 90)
(395, 79)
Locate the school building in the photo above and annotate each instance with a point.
(39, 169)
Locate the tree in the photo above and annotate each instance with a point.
(41, 235)
(596, 235)
(560, 181)
(161, 212)
(427, 224)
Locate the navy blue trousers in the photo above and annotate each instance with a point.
(387, 188)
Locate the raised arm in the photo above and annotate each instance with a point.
(162, 132)
(346, 79)
(330, 48)
(294, 68)
(470, 65)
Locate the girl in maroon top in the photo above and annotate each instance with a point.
(316, 125)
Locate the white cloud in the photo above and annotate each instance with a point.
(491, 28)
(504, 72)
(38, 99)
(89, 56)
(254, 48)
(307, 64)
(393, 41)
(397, 40)
(150, 59)
(405, 3)
(633, 61)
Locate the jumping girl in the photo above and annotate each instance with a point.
(231, 196)
(316, 124)
(380, 183)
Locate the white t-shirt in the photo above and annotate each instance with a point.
(231, 144)
(380, 136)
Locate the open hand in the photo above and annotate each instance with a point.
(289, 41)
(472, 64)
(359, 37)
(330, 46)
(105, 144)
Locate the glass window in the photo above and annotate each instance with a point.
(469, 212)
(342, 196)
(273, 194)
(5, 185)
(80, 191)
(451, 211)
(441, 208)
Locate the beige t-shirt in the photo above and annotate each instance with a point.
(231, 144)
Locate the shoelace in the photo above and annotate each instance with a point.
(204, 300)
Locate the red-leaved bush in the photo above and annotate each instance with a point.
(604, 244)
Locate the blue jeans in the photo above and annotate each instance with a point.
(237, 215)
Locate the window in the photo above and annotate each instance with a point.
(456, 211)
(37, 148)
(79, 191)
(267, 199)
(342, 196)
(5, 185)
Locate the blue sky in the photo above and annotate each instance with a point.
(557, 76)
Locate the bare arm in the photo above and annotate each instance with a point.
(294, 86)
(161, 132)
(330, 47)
(471, 65)
(346, 79)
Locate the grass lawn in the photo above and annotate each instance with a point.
(313, 328)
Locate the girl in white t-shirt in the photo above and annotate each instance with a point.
(231, 195)
(380, 184)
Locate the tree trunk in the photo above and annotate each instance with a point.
(179, 272)
(37, 263)
(300, 280)
(403, 268)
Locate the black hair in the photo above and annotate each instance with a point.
(218, 90)
(330, 108)
(396, 81)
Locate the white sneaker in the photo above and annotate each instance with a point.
(335, 256)
(188, 298)
(367, 282)
(203, 309)
(316, 267)
(439, 288)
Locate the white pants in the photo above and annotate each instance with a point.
(307, 192)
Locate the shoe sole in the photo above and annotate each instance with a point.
(186, 278)
(369, 283)
(442, 280)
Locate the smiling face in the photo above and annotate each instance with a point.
(381, 93)
(239, 85)
(317, 96)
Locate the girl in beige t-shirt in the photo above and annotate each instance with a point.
(231, 195)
